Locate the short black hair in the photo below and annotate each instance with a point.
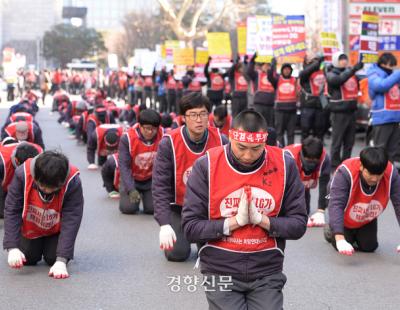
(250, 120)
(166, 120)
(111, 137)
(51, 169)
(387, 59)
(312, 147)
(24, 151)
(221, 111)
(374, 159)
(149, 117)
(272, 137)
(192, 101)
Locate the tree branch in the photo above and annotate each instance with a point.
(167, 8)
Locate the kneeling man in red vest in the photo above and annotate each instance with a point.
(43, 213)
(359, 193)
(243, 201)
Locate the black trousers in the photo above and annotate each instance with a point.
(285, 122)
(181, 250)
(36, 249)
(343, 136)
(267, 112)
(260, 294)
(388, 137)
(238, 105)
(171, 101)
(3, 196)
(313, 121)
(162, 99)
(126, 207)
(364, 239)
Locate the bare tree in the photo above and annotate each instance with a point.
(190, 20)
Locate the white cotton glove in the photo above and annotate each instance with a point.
(92, 167)
(59, 270)
(316, 220)
(16, 258)
(344, 247)
(242, 216)
(255, 216)
(167, 237)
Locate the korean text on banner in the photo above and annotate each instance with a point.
(183, 56)
(369, 42)
(219, 48)
(288, 38)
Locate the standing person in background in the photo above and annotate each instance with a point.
(239, 86)
(171, 87)
(312, 83)
(215, 84)
(285, 101)
(264, 97)
(383, 85)
(342, 94)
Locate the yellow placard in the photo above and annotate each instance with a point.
(163, 51)
(201, 56)
(370, 18)
(219, 44)
(242, 38)
(264, 58)
(183, 56)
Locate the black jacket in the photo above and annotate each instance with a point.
(335, 78)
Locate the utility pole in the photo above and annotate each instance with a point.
(345, 25)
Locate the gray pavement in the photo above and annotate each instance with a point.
(118, 263)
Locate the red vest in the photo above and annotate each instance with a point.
(139, 82)
(264, 85)
(101, 131)
(171, 83)
(23, 115)
(309, 181)
(227, 88)
(240, 82)
(39, 218)
(349, 89)
(184, 158)
(11, 131)
(194, 85)
(7, 152)
(179, 85)
(317, 82)
(93, 118)
(392, 99)
(267, 186)
(217, 82)
(361, 208)
(142, 155)
(225, 129)
(116, 171)
(286, 90)
(148, 81)
(179, 120)
(75, 119)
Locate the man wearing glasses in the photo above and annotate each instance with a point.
(176, 155)
(43, 213)
(137, 151)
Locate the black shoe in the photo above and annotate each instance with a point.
(328, 233)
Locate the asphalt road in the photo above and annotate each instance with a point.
(118, 264)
